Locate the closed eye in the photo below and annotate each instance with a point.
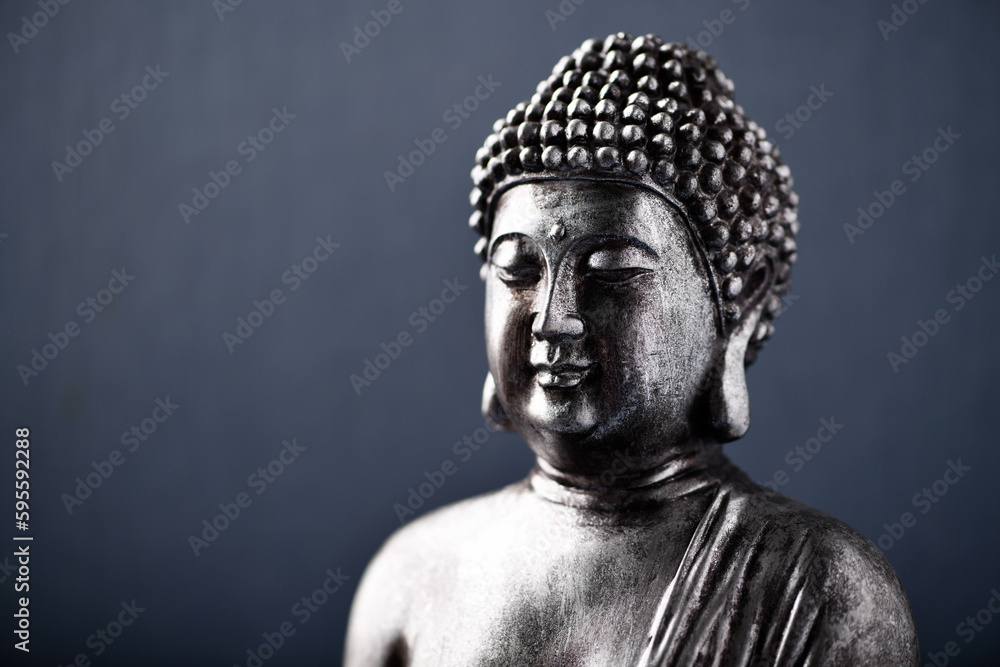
(516, 260)
(616, 276)
(616, 264)
(519, 276)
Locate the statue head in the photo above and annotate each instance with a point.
(638, 233)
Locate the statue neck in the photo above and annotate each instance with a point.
(687, 470)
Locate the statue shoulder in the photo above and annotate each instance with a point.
(859, 612)
(407, 571)
(437, 534)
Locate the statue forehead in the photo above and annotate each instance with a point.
(567, 203)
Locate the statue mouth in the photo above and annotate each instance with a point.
(562, 376)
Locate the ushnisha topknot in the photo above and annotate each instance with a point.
(661, 116)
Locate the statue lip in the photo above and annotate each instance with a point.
(562, 375)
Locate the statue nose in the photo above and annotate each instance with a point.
(557, 318)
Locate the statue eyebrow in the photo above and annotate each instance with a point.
(509, 236)
(619, 239)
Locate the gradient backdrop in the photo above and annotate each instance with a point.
(220, 76)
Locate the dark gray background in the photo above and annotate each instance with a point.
(324, 176)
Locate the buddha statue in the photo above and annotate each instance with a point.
(637, 233)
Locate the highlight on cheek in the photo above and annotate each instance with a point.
(513, 362)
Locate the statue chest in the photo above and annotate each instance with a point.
(544, 602)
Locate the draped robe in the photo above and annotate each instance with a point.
(701, 567)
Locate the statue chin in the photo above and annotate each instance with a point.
(561, 412)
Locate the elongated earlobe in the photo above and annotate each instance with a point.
(729, 400)
(493, 411)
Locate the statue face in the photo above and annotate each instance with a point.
(600, 324)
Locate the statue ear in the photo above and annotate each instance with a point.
(728, 399)
(493, 411)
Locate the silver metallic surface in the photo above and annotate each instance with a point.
(634, 541)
